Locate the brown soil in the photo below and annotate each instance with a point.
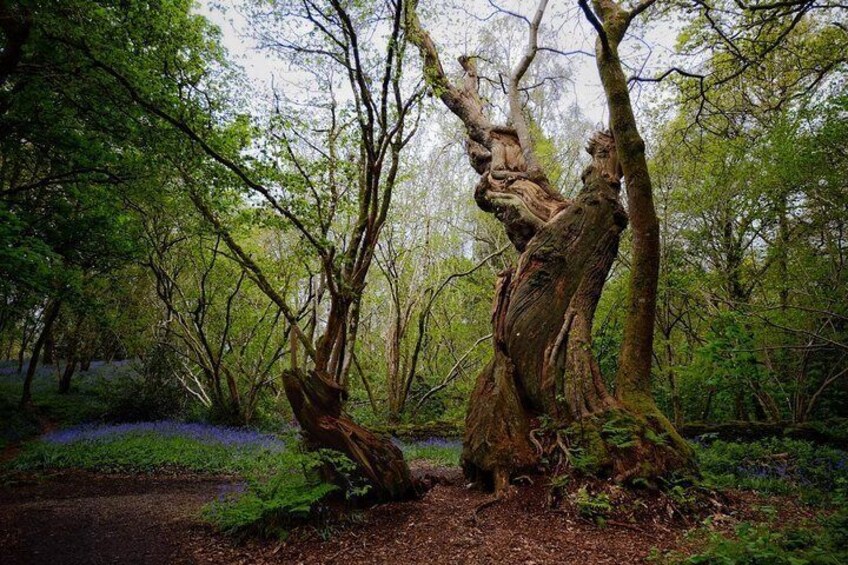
(78, 518)
(82, 518)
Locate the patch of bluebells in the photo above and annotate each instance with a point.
(761, 471)
(435, 449)
(203, 433)
(229, 491)
(440, 442)
(776, 464)
(435, 442)
(819, 472)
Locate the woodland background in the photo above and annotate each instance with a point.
(174, 236)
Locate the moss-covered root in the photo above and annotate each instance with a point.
(637, 449)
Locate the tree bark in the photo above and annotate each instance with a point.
(51, 312)
(67, 374)
(317, 404)
(543, 366)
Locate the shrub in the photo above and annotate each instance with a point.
(268, 508)
(296, 494)
(15, 424)
(150, 393)
(592, 507)
(775, 465)
(825, 543)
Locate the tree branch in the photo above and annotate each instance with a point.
(525, 140)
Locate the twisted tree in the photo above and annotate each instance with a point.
(543, 367)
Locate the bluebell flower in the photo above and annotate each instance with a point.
(204, 433)
(231, 490)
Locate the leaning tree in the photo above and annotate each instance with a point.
(543, 369)
(372, 121)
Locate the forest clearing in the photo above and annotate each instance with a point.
(404, 281)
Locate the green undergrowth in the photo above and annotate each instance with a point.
(15, 425)
(816, 473)
(147, 453)
(269, 506)
(820, 542)
(594, 507)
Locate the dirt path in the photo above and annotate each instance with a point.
(80, 518)
(85, 518)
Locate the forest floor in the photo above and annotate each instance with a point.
(83, 517)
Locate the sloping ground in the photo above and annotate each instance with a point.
(86, 518)
(80, 518)
(442, 529)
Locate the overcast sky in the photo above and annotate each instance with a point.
(456, 30)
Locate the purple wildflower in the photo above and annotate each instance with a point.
(437, 442)
(204, 433)
(440, 442)
(231, 490)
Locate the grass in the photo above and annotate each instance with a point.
(103, 449)
(437, 451)
(87, 401)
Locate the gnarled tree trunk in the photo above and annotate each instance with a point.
(543, 363)
(317, 404)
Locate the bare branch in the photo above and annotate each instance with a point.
(509, 12)
(516, 112)
(566, 53)
(639, 8)
(593, 19)
(665, 75)
(453, 373)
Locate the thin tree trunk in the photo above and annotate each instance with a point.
(49, 355)
(708, 405)
(366, 385)
(65, 380)
(51, 312)
(71, 357)
(25, 337)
